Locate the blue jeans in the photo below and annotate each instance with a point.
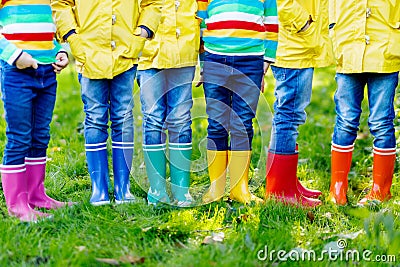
(29, 96)
(232, 88)
(108, 97)
(348, 98)
(293, 94)
(166, 97)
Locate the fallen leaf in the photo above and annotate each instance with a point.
(242, 218)
(108, 261)
(80, 248)
(214, 238)
(63, 142)
(132, 259)
(218, 237)
(207, 240)
(311, 216)
(361, 136)
(179, 244)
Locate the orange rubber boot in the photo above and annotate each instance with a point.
(382, 173)
(340, 167)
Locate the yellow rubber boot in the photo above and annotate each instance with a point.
(239, 163)
(217, 164)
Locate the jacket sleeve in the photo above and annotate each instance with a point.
(202, 6)
(271, 28)
(202, 14)
(8, 51)
(150, 14)
(292, 15)
(64, 16)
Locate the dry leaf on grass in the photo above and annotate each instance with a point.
(214, 238)
(132, 259)
(108, 261)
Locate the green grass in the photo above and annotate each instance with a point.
(136, 233)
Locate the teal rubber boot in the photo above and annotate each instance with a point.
(155, 160)
(179, 162)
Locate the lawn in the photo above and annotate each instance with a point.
(223, 233)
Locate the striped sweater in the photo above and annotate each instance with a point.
(240, 27)
(27, 25)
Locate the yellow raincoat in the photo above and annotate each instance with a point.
(310, 48)
(366, 35)
(176, 42)
(107, 42)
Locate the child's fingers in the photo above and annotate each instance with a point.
(34, 64)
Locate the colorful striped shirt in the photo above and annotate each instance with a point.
(27, 25)
(240, 27)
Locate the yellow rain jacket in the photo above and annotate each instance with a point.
(109, 41)
(176, 42)
(366, 35)
(310, 48)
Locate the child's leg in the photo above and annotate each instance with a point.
(246, 82)
(18, 101)
(293, 94)
(218, 96)
(95, 98)
(121, 105)
(42, 110)
(154, 108)
(43, 105)
(179, 103)
(218, 107)
(381, 91)
(348, 98)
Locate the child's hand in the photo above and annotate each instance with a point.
(61, 62)
(265, 69)
(26, 61)
(201, 80)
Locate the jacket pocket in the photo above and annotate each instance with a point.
(308, 39)
(393, 48)
(77, 49)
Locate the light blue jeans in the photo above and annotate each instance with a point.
(348, 98)
(166, 97)
(293, 94)
(108, 98)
